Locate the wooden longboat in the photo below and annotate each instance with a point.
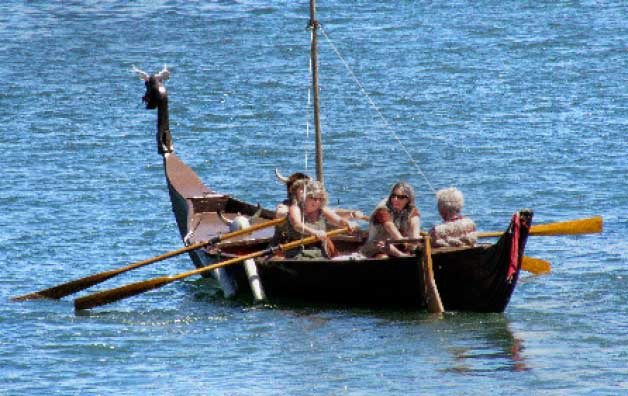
(468, 279)
(480, 278)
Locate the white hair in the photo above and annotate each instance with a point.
(450, 199)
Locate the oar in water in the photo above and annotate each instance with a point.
(432, 297)
(589, 225)
(77, 285)
(132, 289)
(535, 265)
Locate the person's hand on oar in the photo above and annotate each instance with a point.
(77, 285)
(119, 293)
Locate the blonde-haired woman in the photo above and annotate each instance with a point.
(310, 216)
(456, 229)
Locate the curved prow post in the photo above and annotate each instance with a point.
(156, 96)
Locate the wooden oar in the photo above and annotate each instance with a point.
(132, 289)
(535, 265)
(589, 225)
(432, 297)
(77, 285)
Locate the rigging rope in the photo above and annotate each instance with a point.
(374, 106)
(307, 119)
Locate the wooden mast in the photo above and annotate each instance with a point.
(317, 117)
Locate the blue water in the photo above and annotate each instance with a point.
(519, 104)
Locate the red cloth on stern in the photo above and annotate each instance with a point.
(514, 247)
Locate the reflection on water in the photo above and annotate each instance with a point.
(477, 343)
(483, 343)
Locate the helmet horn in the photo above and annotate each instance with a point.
(281, 178)
(224, 219)
(257, 214)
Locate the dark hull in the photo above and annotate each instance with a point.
(468, 279)
(365, 283)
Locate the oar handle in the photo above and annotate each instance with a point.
(490, 234)
(119, 293)
(260, 253)
(309, 240)
(244, 231)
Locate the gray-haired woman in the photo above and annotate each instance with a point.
(395, 217)
(456, 230)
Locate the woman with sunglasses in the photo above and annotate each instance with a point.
(394, 218)
(309, 215)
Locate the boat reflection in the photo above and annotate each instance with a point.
(483, 343)
(476, 342)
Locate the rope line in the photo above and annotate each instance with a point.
(377, 111)
(308, 116)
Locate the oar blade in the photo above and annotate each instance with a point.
(119, 293)
(77, 285)
(112, 295)
(590, 225)
(67, 288)
(535, 265)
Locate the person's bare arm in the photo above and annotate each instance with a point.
(294, 215)
(337, 220)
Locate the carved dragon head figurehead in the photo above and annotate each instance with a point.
(155, 88)
(156, 96)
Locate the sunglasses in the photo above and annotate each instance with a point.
(397, 196)
(321, 199)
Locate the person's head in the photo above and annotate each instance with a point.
(297, 188)
(401, 196)
(290, 180)
(315, 195)
(450, 202)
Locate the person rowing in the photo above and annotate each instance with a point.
(309, 215)
(294, 187)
